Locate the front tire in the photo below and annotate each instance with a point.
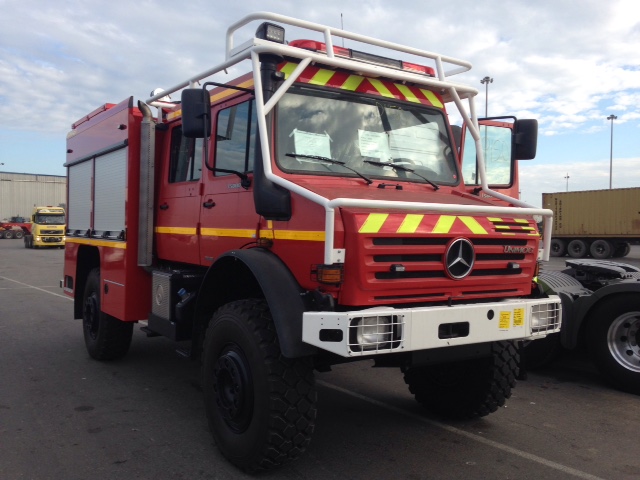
(614, 341)
(105, 337)
(261, 406)
(469, 388)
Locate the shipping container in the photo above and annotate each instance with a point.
(600, 223)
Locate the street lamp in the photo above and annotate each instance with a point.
(486, 81)
(567, 179)
(612, 118)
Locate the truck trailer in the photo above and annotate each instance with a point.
(600, 223)
(309, 213)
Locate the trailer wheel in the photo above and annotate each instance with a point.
(261, 406)
(558, 247)
(577, 248)
(601, 249)
(622, 250)
(466, 389)
(18, 234)
(8, 234)
(105, 337)
(613, 333)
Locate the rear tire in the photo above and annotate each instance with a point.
(260, 405)
(601, 249)
(469, 388)
(8, 234)
(613, 334)
(105, 337)
(558, 247)
(18, 234)
(577, 248)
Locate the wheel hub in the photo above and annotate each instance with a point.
(90, 319)
(624, 340)
(233, 389)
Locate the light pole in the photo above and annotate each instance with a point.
(567, 179)
(612, 118)
(486, 81)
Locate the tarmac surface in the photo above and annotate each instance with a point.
(65, 416)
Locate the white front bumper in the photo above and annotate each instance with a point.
(409, 329)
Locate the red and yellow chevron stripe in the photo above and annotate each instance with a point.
(390, 223)
(360, 84)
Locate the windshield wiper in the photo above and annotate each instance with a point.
(330, 160)
(403, 169)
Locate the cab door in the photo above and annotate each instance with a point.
(178, 201)
(228, 218)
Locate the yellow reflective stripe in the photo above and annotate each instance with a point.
(97, 243)
(322, 77)
(526, 228)
(521, 220)
(502, 227)
(288, 69)
(407, 93)
(494, 219)
(379, 86)
(473, 225)
(352, 82)
(373, 223)
(505, 233)
(445, 222)
(227, 232)
(432, 98)
(177, 230)
(309, 236)
(410, 223)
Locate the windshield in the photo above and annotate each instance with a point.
(49, 219)
(362, 133)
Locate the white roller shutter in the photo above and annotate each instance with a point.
(79, 208)
(110, 191)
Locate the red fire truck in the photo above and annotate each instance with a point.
(309, 213)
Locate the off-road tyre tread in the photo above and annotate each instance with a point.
(292, 392)
(481, 388)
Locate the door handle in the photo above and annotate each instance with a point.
(164, 206)
(209, 204)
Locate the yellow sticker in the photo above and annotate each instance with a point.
(505, 320)
(518, 317)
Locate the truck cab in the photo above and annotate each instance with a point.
(47, 228)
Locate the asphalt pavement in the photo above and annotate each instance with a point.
(65, 416)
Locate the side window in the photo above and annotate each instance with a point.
(186, 158)
(496, 142)
(235, 138)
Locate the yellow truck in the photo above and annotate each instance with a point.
(47, 228)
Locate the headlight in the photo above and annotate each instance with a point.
(545, 317)
(375, 332)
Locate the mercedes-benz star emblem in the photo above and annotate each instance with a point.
(459, 258)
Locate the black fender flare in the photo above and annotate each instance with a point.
(254, 273)
(583, 306)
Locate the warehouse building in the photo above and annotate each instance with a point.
(20, 192)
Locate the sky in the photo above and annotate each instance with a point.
(569, 64)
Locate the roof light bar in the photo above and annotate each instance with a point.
(364, 57)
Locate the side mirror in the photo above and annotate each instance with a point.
(526, 139)
(196, 113)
